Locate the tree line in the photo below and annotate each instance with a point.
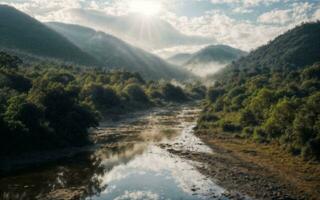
(47, 106)
(268, 105)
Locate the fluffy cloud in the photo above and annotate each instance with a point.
(246, 3)
(242, 10)
(316, 15)
(299, 12)
(136, 195)
(226, 26)
(240, 34)
(275, 16)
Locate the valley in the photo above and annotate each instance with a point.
(159, 100)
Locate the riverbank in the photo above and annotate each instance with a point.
(133, 158)
(97, 136)
(259, 171)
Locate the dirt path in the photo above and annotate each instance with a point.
(256, 171)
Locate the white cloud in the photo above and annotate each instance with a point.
(245, 35)
(275, 17)
(245, 3)
(316, 15)
(295, 15)
(242, 10)
(137, 195)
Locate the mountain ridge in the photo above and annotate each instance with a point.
(208, 60)
(116, 53)
(37, 38)
(137, 30)
(284, 52)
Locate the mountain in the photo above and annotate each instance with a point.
(216, 53)
(148, 33)
(116, 53)
(208, 60)
(21, 33)
(274, 91)
(294, 49)
(179, 59)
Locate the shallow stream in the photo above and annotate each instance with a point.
(132, 160)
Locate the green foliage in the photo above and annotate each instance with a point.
(214, 94)
(196, 91)
(136, 93)
(9, 61)
(173, 93)
(50, 106)
(102, 97)
(22, 115)
(14, 81)
(229, 126)
(247, 132)
(281, 115)
(312, 72)
(281, 104)
(247, 118)
(259, 134)
(289, 51)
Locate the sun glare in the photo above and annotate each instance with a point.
(145, 7)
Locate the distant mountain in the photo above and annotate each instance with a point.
(21, 33)
(115, 53)
(180, 59)
(208, 60)
(294, 49)
(216, 53)
(138, 30)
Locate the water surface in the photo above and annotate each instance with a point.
(131, 161)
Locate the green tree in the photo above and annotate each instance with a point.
(136, 93)
(9, 61)
(173, 93)
(215, 93)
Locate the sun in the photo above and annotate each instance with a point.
(145, 7)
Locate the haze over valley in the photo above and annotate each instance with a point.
(159, 99)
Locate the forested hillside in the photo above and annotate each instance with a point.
(148, 33)
(73, 44)
(49, 106)
(21, 33)
(294, 49)
(117, 54)
(272, 95)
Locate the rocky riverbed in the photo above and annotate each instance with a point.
(150, 155)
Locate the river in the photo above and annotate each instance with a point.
(132, 159)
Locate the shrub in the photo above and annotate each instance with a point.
(208, 117)
(136, 93)
(259, 135)
(229, 127)
(247, 132)
(247, 118)
(214, 93)
(102, 97)
(173, 93)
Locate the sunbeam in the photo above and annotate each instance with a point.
(148, 8)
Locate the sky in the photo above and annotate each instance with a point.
(244, 24)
